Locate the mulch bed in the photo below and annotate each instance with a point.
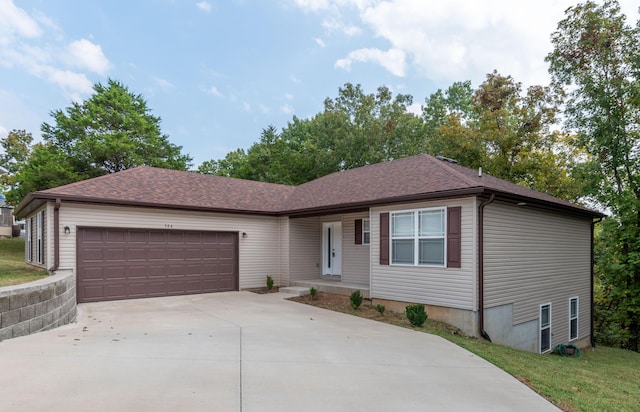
(263, 290)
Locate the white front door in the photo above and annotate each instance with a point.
(332, 248)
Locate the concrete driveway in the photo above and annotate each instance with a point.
(245, 352)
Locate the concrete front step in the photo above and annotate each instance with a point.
(295, 290)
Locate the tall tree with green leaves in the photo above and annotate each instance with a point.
(504, 130)
(17, 149)
(596, 56)
(113, 130)
(354, 129)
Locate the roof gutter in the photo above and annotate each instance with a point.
(483, 333)
(56, 235)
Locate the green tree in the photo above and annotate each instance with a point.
(17, 149)
(353, 130)
(596, 57)
(504, 130)
(111, 131)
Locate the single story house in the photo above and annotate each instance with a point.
(493, 258)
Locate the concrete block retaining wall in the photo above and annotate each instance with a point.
(36, 306)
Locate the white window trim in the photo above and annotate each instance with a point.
(39, 234)
(547, 327)
(416, 237)
(29, 236)
(577, 318)
(366, 241)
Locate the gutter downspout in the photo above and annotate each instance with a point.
(483, 333)
(593, 336)
(56, 235)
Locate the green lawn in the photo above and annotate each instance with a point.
(13, 270)
(602, 379)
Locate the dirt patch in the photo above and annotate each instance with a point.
(339, 303)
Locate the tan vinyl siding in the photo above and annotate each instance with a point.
(355, 258)
(305, 248)
(449, 287)
(284, 252)
(535, 257)
(260, 251)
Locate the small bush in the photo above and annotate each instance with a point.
(269, 282)
(416, 314)
(313, 292)
(356, 299)
(379, 308)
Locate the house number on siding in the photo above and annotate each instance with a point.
(168, 226)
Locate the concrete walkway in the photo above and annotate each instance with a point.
(245, 352)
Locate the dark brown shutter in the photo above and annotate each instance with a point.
(358, 231)
(453, 237)
(384, 238)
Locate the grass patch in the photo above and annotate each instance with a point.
(13, 270)
(602, 379)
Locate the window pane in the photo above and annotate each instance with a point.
(545, 340)
(544, 316)
(574, 308)
(402, 251)
(365, 225)
(432, 223)
(431, 252)
(574, 329)
(402, 224)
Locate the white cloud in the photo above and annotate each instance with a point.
(453, 40)
(415, 108)
(246, 106)
(288, 96)
(163, 83)
(313, 5)
(87, 55)
(287, 109)
(36, 45)
(213, 90)
(264, 108)
(393, 60)
(15, 21)
(75, 84)
(336, 25)
(320, 42)
(204, 6)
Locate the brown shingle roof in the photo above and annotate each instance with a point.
(171, 188)
(412, 178)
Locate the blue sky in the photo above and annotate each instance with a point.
(218, 72)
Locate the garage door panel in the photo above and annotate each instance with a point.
(137, 237)
(115, 273)
(112, 254)
(136, 253)
(116, 236)
(157, 236)
(93, 274)
(93, 293)
(176, 237)
(133, 263)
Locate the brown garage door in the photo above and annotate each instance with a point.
(131, 263)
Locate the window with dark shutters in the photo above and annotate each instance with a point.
(384, 238)
(454, 231)
(358, 231)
